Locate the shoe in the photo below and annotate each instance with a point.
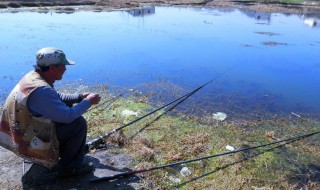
(84, 169)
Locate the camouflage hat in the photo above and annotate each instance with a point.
(52, 56)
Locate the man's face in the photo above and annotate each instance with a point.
(59, 71)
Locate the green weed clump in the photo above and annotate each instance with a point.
(176, 137)
(14, 5)
(3, 5)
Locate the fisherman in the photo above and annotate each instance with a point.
(42, 125)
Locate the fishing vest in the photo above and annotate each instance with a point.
(30, 137)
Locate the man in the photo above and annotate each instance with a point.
(38, 123)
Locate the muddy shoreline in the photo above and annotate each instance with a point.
(101, 5)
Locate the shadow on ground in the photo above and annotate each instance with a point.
(38, 177)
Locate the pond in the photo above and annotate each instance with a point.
(276, 56)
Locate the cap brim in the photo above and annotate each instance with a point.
(36, 67)
(69, 62)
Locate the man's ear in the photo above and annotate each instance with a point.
(52, 68)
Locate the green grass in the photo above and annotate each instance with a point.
(176, 137)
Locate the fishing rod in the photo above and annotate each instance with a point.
(158, 117)
(165, 112)
(233, 163)
(110, 100)
(125, 174)
(89, 145)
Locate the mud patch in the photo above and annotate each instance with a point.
(67, 10)
(248, 46)
(38, 177)
(267, 33)
(274, 44)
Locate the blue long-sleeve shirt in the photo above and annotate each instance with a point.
(47, 102)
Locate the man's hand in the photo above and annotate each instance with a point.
(92, 97)
(84, 95)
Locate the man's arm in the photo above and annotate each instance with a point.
(46, 102)
(70, 99)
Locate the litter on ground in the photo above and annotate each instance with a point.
(185, 171)
(220, 116)
(230, 148)
(129, 113)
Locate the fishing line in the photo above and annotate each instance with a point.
(233, 163)
(111, 99)
(158, 117)
(91, 144)
(125, 174)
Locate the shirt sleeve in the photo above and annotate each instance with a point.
(70, 99)
(46, 102)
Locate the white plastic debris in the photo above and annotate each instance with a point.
(310, 22)
(185, 171)
(295, 114)
(220, 116)
(230, 148)
(129, 112)
(174, 180)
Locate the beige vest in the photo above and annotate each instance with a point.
(33, 138)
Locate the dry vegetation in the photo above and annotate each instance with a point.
(177, 137)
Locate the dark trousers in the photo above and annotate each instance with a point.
(72, 139)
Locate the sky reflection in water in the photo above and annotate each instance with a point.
(274, 54)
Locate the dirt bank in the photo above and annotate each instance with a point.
(13, 176)
(265, 6)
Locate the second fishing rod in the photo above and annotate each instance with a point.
(93, 143)
(133, 172)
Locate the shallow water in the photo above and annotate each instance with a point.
(276, 56)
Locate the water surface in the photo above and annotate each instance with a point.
(276, 56)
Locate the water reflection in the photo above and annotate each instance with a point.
(142, 11)
(278, 62)
(257, 15)
(312, 22)
(311, 17)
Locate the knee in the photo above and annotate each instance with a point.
(77, 128)
(78, 125)
(81, 122)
